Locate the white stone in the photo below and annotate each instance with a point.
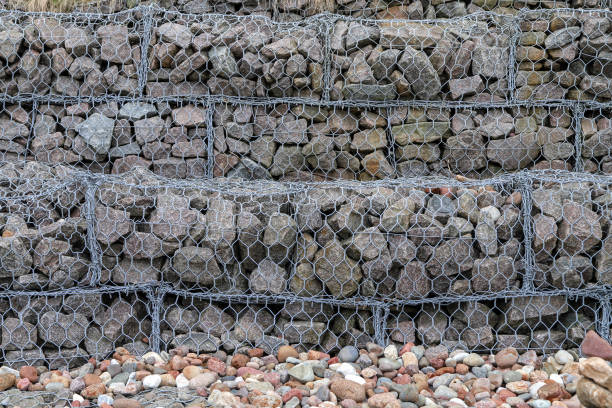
(116, 388)
(77, 397)
(556, 378)
(489, 215)
(151, 381)
(391, 352)
(355, 378)
(182, 381)
(346, 369)
(533, 389)
(563, 357)
(105, 377)
(105, 399)
(458, 401)
(113, 361)
(9, 370)
(157, 357)
(460, 356)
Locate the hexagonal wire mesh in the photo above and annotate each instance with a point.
(153, 97)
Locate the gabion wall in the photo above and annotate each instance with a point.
(228, 181)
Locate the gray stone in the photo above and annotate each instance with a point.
(579, 230)
(367, 92)
(97, 131)
(136, 110)
(348, 354)
(571, 272)
(120, 320)
(15, 260)
(222, 61)
(493, 275)
(269, 278)
(360, 35)
(340, 274)
(420, 73)
(514, 152)
(490, 62)
(603, 263)
(534, 310)
(18, 334)
(304, 332)
(280, 237)
(196, 265)
(176, 34)
(545, 236)
(413, 282)
(10, 43)
(196, 342)
(451, 257)
(562, 37)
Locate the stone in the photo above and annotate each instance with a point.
(285, 352)
(514, 152)
(506, 358)
(7, 381)
(348, 390)
(594, 346)
(136, 110)
(302, 372)
(462, 87)
(423, 78)
(561, 38)
(222, 61)
(593, 395)
(579, 230)
(177, 34)
(203, 380)
(196, 265)
(490, 62)
(152, 381)
(62, 330)
(268, 277)
(339, 273)
(16, 260)
(97, 131)
(382, 400)
(348, 354)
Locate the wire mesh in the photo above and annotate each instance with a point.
(207, 180)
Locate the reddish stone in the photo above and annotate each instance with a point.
(402, 379)
(91, 379)
(436, 362)
(75, 404)
(284, 352)
(256, 352)
(239, 360)
(243, 371)
(333, 360)
(105, 406)
(202, 392)
(23, 384)
(93, 391)
(317, 355)
(440, 371)
(296, 392)
(273, 378)
(177, 363)
(462, 369)
(504, 394)
(216, 365)
(506, 357)
(93, 362)
(406, 348)
(29, 372)
(594, 346)
(104, 365)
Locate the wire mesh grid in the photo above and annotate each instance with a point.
(232, 181)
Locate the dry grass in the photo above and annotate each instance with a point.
(50, 5)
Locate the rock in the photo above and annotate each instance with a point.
(16, 260)
(285, 352)
(7, 381)
(506, 358)
(594, 346)
(339, 273)
(490, 62)
(28, 372)
(222, 61)
(561, 38)
(382, 400)
(524, 150)
(176, 34)
(593, 395)
(423, 78)
(579, 230)
(62, 330)
(126, 403)
(597, 370)
(97, 131)
(346, 389)
(268, 277)
(151, 381)
(302, 372)
(348, 354)
(203, 380)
